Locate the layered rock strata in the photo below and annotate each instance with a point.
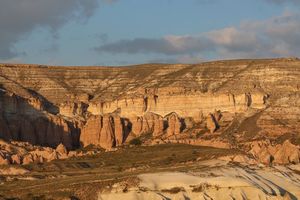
(107, 106)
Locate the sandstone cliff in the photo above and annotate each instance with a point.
(222, 102)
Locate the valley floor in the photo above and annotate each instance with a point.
(170, 171)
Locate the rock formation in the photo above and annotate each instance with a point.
(90, 133)
(107, 136)
(211, 123)
(174, 124)
(77, 106)
(137, 125)
(283, 153)
(24, 153)
(119, 131)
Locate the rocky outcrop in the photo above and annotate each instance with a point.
(174, 124)
(25, 120)
(211, 123)
(73, 109)
(24, 153)
(48, 105)
(90, 133)
(137, 125)
(153, 123)
(267, 153)
(105, 131)
(61, 149)
(287, 153)
(119, 130)
(107, 136)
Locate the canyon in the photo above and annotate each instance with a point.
(151, 130)
(227, 104)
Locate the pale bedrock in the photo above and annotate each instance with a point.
(73, 109)
(185, 105)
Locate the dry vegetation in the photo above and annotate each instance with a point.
(83, 177)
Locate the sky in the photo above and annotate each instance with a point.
(125, 32)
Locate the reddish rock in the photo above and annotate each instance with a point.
(153, 123)
(217, 115)
(174, 124)
(118, 130)
(211, 123)
(284, 153)
(61, 149)
(27, 159)
(158, 126)
(3, 159)
(107, 137)
(58, 132)
(16, 159)
(137, 125)
(287, 153)
(90, 133)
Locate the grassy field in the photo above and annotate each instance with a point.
(81, 178)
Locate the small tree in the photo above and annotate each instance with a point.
(135, 141)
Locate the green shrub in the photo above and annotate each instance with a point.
(135, 141)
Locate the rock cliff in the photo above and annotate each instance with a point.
(221, 102)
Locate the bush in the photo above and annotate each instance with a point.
(135, 141)
(173, 190)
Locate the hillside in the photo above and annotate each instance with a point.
(224, 104)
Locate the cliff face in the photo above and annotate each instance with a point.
(108, 106)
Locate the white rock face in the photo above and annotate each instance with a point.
(222, 183)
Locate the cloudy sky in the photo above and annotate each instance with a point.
(122, 32)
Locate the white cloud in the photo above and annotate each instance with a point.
(277, 36)
(18, 18)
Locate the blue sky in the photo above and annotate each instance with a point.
(123, 32)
